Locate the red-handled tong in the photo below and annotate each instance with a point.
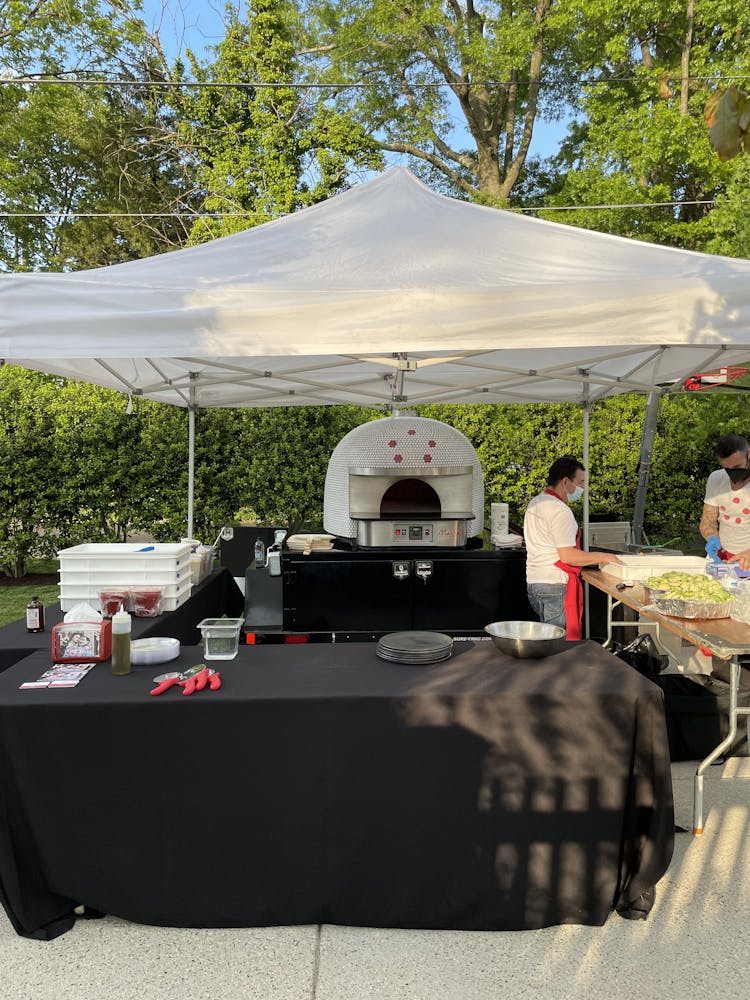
(196, 683)
(165, 681)
(194, 679)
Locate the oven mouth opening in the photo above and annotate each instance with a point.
(410, 498)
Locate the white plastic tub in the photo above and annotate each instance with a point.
(174, 579)
(132, 556)
(172, 598)
(637, 568)
(87, 569)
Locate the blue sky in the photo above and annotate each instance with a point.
(198, 24)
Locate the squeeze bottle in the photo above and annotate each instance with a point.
(121, 642)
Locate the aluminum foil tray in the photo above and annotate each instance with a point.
(676, 608)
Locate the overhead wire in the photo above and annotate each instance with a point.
(34, 80)
(340, 85)
(269, 215)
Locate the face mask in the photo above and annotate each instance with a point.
(575, 495)
(738, 475)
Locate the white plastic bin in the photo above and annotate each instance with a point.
(640, 567)
(87, 569)
(106, 556)
(70, 596)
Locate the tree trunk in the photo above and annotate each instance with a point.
(685, 59)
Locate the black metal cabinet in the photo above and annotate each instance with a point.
(377, 591)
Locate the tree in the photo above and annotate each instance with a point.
(31, 468)
(69, 152)
(287, 456)
(495, 67)
(640, 139)
(40, 37)
(261, 150)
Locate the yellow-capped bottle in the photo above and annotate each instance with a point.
(121, 628)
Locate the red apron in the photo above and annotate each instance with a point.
(573, 602)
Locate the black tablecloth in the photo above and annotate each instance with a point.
(323, 785)
(215, 596)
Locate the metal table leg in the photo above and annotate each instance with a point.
(734, 711)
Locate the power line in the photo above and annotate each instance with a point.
(269, 215)
(136, 215)
(632, 204)
(340, 85)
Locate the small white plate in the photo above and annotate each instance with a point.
(156, 649)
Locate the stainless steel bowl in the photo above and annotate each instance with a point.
(526, 640)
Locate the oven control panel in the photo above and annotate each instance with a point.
(412, 533)
(386, 534)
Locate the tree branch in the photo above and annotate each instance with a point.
(435, 161)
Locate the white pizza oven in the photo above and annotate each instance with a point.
(404, 481)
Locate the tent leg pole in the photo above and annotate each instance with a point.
(191, 457)
(644, 465)
(586, 410)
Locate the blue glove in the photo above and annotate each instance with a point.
(712, 548)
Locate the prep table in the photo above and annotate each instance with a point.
(722, 637)
(218, 594)
(321, 784)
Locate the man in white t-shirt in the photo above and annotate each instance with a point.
(725, 523)
(554, 557)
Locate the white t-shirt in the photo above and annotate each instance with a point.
(734, 511)
(548, 525)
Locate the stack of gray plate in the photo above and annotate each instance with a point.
(415, 647)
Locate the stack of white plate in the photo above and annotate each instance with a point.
(415, 647)
(155, 649)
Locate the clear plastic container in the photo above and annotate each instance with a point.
(221, 637)
(112, 599)
(146, 602)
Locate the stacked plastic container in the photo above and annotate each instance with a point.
(85, 570)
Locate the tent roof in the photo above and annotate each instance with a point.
(386, 293)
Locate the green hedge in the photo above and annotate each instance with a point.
(75, 467)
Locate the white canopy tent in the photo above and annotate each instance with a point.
(388, 294)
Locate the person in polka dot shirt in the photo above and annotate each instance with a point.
(725, 523)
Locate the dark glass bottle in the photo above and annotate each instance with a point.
(35, 615)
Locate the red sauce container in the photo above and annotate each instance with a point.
(145, 602)
(112, 598)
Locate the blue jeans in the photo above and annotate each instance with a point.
(548, 600)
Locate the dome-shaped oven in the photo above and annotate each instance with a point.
(404, 480)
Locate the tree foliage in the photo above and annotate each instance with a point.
(494, 67)
(639, 138)
(71, 154)
(75, 467)
(260, 150)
